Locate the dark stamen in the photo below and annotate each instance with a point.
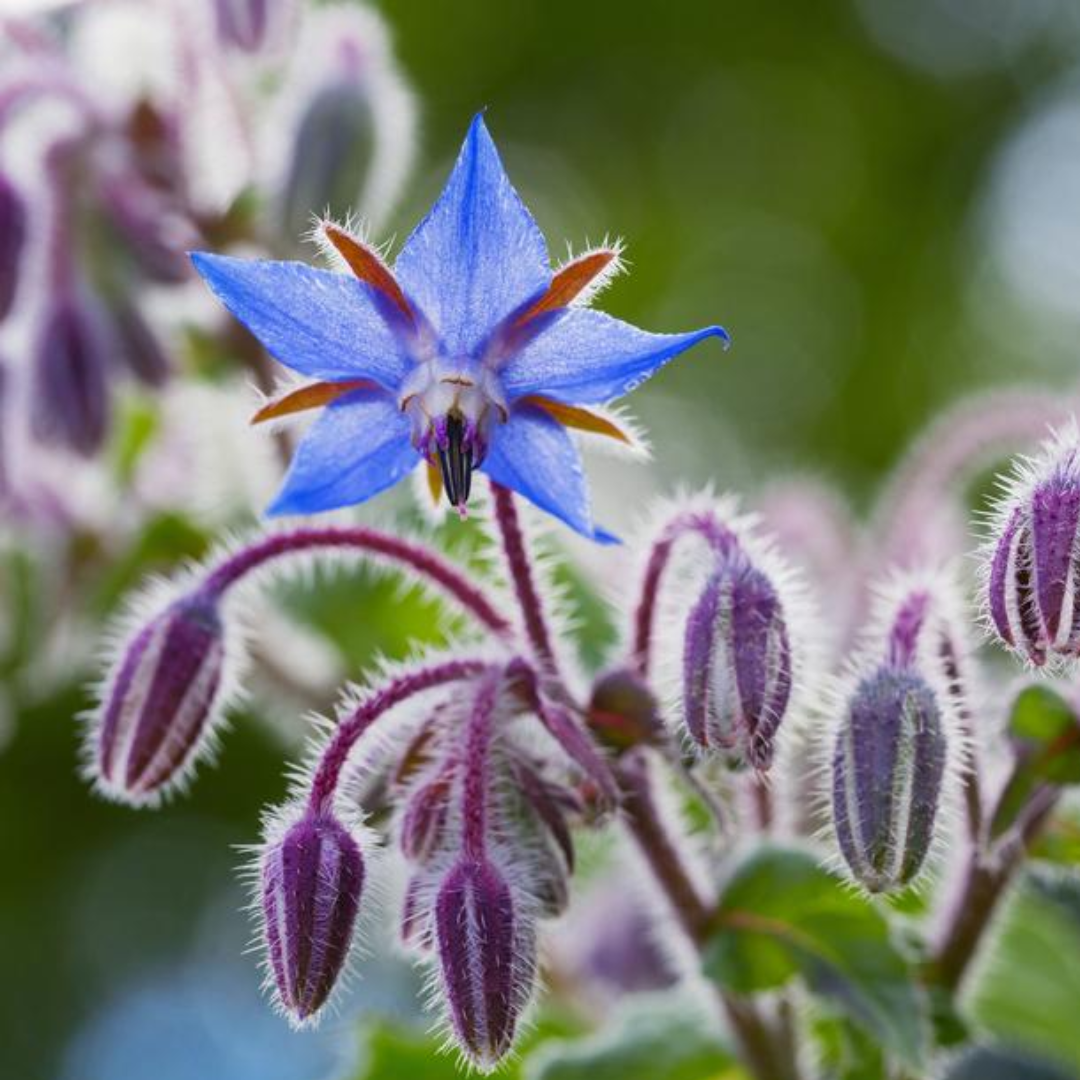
(456, 462)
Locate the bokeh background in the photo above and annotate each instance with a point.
(879, 198)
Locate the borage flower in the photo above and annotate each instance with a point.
(469, 355)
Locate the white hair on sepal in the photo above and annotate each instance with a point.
(357, 228)
(275, 823)
(944, 616)
(635, 447)
(150, 601)
(618, 265)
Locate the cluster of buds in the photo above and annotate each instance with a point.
(1032, 567)
(105, 189)
(898, 736)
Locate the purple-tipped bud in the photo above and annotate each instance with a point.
(1033, 569)
(242, 24)
(737, 670)
(426, 817)
(311, 882)
(12, 241)
(887, 771)
(159, 708)
(487, 955)
(70, 387)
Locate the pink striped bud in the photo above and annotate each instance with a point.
(159, 706)
(737, 665)
(311, 881)
(487, 955)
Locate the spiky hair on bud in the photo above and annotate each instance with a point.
(893, 749)
(172, 664)
(1030, 558)
(722, 568)
(311, 879)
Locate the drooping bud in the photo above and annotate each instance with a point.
(159, 707)
(1032, 569)
(139, 346)
(737, 664)
(70, 388)
(311, 881)
(487, 956)
(331, 157)
(242, 24)
(887, 771)
(12, 241)
(427, 813)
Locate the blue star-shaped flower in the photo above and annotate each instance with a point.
(469, 355)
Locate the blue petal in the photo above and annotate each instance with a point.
(478, 255)
(357, 447)
(327, 325)
(534, 455)
(586, 357)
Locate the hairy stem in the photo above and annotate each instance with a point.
(474, 793)
(702, 523)
(521, 574)
(336, 753)
(769, 1054)
(432, 567)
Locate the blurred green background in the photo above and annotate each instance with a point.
(879, 198)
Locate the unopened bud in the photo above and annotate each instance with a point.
(139, 346)
(159, 707)
(487, 955)
(623, 711)
(426, 816)
(70, 388)
(1032, 569)
(737, 666)
(242, 24)
(12, 242)
(311, 881)
(887, 771)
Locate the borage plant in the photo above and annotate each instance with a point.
(821, 794)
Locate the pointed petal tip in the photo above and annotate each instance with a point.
(608, 539)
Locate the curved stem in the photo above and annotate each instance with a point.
(336, 753)
(430, 566)
(769, 1054)
(474, 793)
(517, 558)
(703, 523)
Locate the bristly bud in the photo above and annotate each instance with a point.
(487, 956)
(70, 387)
(425, 820)
(311, 882)
(899, 733)
(887, 771)
(737, 664)
(159, 706)
(12, 242)
(623, 711)
(1032, 568)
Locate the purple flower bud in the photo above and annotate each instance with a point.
(139, 346)
(887, 772)
(331, 157)
(12, 241)
(311, 881)
(243, 24)
(737, 669)
(415, 916)
(427, 814)
(157, 713)
(487, 955)
(70, 388)
(1033, 568)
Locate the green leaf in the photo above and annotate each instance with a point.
(1027, 991)
(992, 1063)
(782, 915)
(661, 1037)
(1045, 732)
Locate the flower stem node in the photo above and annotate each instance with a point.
(311, 882)
(158, 711)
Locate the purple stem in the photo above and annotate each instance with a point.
(474, 790)
(425, 562)
(517, 558)
(332, 762)
(706, 525)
